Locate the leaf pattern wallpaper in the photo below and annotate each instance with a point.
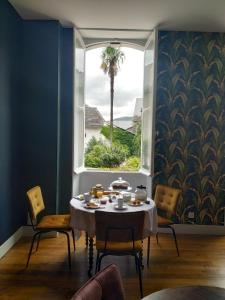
(190, 123)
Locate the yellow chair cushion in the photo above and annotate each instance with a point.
(120, 246)
(166, 198)
(54, 222)
(164, 221)
(36, 201)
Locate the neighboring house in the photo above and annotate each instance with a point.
(136, 119)
(93, 124)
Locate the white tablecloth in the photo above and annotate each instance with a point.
(84, 219)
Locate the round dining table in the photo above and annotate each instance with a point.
(83, 219)
(188, 293)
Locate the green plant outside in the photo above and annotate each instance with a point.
(122, 137)
(120, 156)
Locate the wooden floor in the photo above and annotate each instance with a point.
(202, 262)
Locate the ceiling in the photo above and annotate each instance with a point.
(127, 19)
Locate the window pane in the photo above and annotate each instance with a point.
(79, 62)
(146, 139)
(149, 72)
(149, 103)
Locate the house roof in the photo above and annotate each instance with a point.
(93, 118)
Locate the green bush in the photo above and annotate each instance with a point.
(100, 155)
(137, 141)
(120, 136)
(132, 163)
(93, 141)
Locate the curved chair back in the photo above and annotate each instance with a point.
(119, 227)
(105, 285)
(166, 198)
(35, 201)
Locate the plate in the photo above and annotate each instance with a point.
(120, 208)
(135, 204)
(92, 206)
(79, 197)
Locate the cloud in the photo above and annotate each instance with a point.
(97, 91)
(128, 83)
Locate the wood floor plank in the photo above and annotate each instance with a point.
(201, 262)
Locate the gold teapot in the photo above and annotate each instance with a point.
(97, 190)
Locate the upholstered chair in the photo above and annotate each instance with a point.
(48, 223)
(105, 285)
(166, 202)
(120, 234)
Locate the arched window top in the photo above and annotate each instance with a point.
(126, 44)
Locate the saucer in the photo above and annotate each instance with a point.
(92, 206)
(120, 208)
(133, 203)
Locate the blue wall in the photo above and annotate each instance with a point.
(36, 100)
(46, 114)
(10, 205)
(39, 107)
(66, 118)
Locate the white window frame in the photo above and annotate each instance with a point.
(79, 103)
(149, 103)
(148, 106)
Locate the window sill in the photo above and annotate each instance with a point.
(87, 170)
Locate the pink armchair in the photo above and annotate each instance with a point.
(105, 285)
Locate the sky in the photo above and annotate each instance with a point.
(128, 83)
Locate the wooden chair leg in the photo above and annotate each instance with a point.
(148, 251)
(100, 261)
(38, 241)
(140, 275)
(175, 239)
(31, 247)
(68, 247)
(73, 236)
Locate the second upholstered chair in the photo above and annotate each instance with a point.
(105, 285)
(49, 223)
(120, 234)
(166, 202)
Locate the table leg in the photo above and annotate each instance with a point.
(86, 239)
(90, 258)
(141, 256)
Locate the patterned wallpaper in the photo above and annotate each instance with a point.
(190, 122)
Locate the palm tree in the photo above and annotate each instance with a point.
(111, 59)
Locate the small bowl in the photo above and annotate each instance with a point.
(104, 200)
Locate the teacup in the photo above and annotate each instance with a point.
(126, 197)
(87, 197)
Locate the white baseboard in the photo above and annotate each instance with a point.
(10, 242)
(196, 229)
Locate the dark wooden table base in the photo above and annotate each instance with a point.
(189, 293)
